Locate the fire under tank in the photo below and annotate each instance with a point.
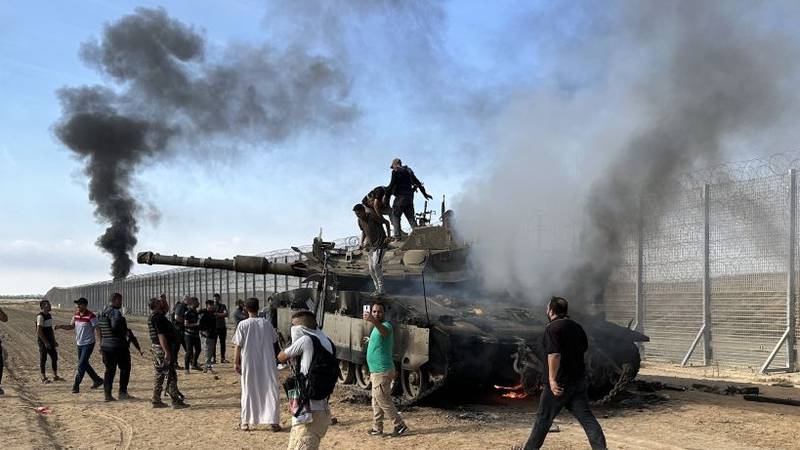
(447, 332)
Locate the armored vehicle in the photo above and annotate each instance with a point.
(447, 331)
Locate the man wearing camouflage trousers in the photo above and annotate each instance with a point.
(164, 340)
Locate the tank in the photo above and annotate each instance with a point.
(447, 331)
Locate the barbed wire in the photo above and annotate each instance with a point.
(743, 170)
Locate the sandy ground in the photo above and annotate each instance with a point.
(691, 419)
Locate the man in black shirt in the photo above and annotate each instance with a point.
(222, 327)
(113, 334)
(403, 185)
(192, 336)
(3, 318)
(164, 341)
(46, 338)
(564, 380)
(208, 329)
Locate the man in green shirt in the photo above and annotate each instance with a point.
(381, 368)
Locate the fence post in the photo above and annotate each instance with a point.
(705, 328)
(640, 311)
(789, 335)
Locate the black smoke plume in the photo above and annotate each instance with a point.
(167, 95)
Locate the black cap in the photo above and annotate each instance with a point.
(81, 301)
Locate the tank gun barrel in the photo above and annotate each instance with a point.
(239, 263)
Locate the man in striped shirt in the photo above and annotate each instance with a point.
(83, 322)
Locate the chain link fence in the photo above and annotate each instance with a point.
(710, 277)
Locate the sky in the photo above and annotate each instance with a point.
(265, 121)
(423, 80)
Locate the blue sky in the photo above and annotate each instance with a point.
(263, 197)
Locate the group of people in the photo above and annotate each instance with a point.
(375, 229)
(257, 354)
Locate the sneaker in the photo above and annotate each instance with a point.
(179, 405)
(45, 380)
(374, 432)
(125, 396)
(97, 384)
(400, 430)
(76, 390)
(110, 399)
(159, 404)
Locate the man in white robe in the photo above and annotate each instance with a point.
(255, 340)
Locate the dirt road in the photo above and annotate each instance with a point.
(690, 420)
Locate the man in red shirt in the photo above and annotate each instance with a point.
(83, 322)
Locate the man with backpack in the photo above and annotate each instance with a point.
(316, 379)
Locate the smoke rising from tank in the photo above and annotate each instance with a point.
(167, 95)
(637, 94)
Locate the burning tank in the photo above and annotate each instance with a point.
(446, 330)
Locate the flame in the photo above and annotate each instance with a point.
(513, 391)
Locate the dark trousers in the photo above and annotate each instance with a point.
(211, 348)
(43, 353)
(403, 205)
(192, 350)
(114, 358)
(84, 367)
(576, 401)
(222, 333)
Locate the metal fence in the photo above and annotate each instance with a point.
(176, 283)
(710, 275)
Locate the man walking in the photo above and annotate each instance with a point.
(373, 240)
(564, 344)
(113, 333)
(84, 323)
(381, 372)
(254, 359)
(403, 185)
(3, 318)
(222, 327)
(307, 340)
(164, 345)
(46, 339)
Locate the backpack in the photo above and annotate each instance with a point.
(323, 372)
(319, 382)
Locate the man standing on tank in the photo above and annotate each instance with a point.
(564, 379)
(113, 336)
(373, 240)
(403, 185)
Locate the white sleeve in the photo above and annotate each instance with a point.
(296, 349)
(40, 320)
(238, 335)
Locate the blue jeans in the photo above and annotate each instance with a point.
(576, 401)
(84, 352)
